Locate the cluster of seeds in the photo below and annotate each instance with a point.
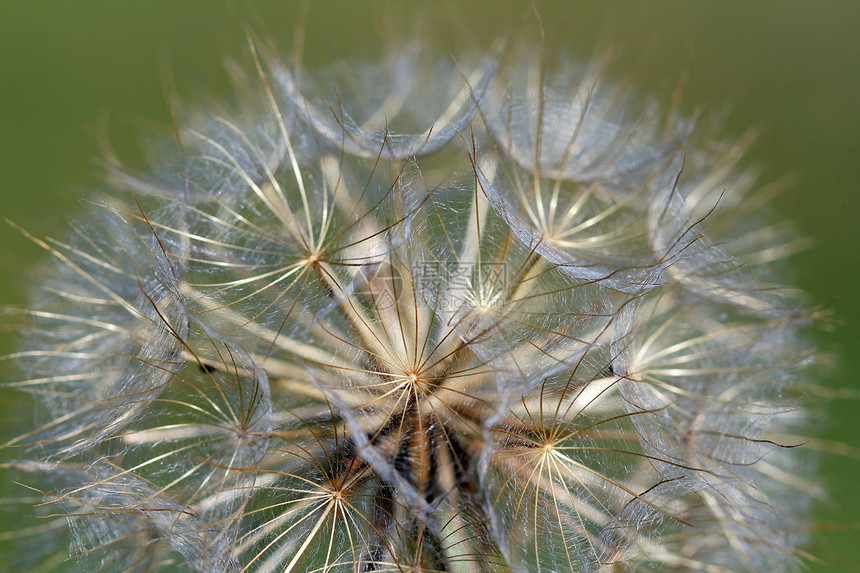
(484, 315)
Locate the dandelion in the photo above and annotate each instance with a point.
(492, 314)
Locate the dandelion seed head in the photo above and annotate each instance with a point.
(482, 314)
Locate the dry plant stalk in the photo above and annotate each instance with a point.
(496, 314)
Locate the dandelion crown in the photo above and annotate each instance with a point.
(424, 314)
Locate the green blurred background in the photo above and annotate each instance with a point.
(72, 72)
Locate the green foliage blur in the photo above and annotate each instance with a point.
(77, 76)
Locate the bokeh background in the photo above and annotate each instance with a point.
(74, 75)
